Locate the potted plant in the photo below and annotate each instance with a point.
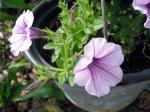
(46, 15)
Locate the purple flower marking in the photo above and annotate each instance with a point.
(99, 67)
(144, 7)
(23, 33)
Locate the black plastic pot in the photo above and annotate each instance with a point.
(121, 96)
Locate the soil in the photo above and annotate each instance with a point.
(141, 104)
(139, 58)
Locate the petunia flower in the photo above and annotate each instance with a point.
(23, 33)
(99, 67)
(144, 7)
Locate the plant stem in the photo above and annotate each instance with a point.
(66, 57)
(55, 69)
(104, 18)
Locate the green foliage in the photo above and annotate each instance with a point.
(5, 86)
(45, 91)
(125, 24)
(4, 16)
(14, 4)
(78, 25)
(10, 92)
(2, 47)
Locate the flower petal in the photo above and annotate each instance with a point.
(110, 55)
(142, 9)
(98, 44)
(94, 46)
(82, 63)
(141, 5)
(88, 50)
(107, 49)
(28, 18)
(147, 23)
(26, 45)
(20, 22)
(96, 84)
(16, 37)
(18, 29)
(82, 76)
(25, 20)
(21, 45)
(112, 74)
(14, 52)
(141, 2)
(15, 47)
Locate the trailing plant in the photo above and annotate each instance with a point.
(78, 25)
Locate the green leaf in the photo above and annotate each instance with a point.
(46, 91)
(1, 101)
(87, 30)
(98, 24)
(12, 70)
(57, 93)
(15, 96)
(60, 31)
(71, 81)
(56, 54)
(61, 78)
(4, 16)
(60, 62)
(48, 46)
(14, 4)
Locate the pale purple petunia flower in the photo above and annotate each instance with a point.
(99, 67)
(144, 7)
(23, 33)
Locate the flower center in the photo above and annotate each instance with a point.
(27, 30)
(148, 5)
(94, 62)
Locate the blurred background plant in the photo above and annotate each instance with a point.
(125, 24)
(8, 8)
